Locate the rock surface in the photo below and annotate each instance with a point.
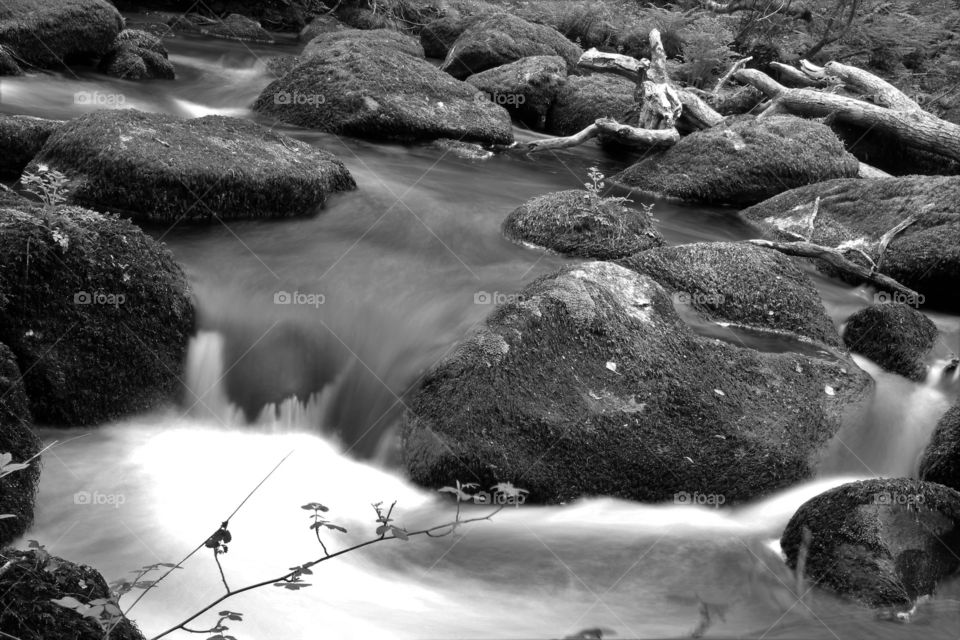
(137, 55)
(21, 138)
(526, 88)
(893, 335)
(941, 459)
(18, 489)
(584, 99)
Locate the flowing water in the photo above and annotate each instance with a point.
(382, 283)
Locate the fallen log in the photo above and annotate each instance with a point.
(615, 63)
(623, 133)
(768, 7)
(879, 91)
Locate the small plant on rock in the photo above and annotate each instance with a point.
(49, 185)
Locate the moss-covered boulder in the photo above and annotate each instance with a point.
(526, 88)
(584, 99)
(237, 27)
(18, 489)
(498, 39)
(368, 89)
(941, 459)
(743, 162)
(582, 224)
(740, 284)
(154, 166)
(439, 35)
(383, 39)
(33, 579)
(97, 314)
(895, 336)
(137, 55)
(856, 213)
(588, 383)
(49, 33)
(21, 138)
(882, 542)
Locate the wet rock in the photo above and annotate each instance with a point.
(588, 383)
(49, 33)
(237, 27)
(320, 25)
(526, 88)
(137, 55)
(584, 99)
(881, 542)
(743, 163)
(158, 167)
(925, 256)
(742, 284)
(941, 459)
(100, 327)
(21, 138)
(582, 224)
(380, 39)
(893, 335)
(366, 88)
(18, 489)
(499, 39)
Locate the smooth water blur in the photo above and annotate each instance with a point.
(381, 284)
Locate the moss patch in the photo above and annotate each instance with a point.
(383, 39)
(137, 55)
(893, 335)
(47, 33)
(21, 138)
(941, 459)
(526, 88)
(583, 99)
(17, 490)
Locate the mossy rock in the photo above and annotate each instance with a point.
(17, 490)
(382, 39)
(583, 99)
(526, 88)
(8, 63)
(582, 224)
(238, 27)
(21, 138)
(33, 579)
(439, 35)
(499, 39)
(744, 162)
(153, 166)
(49, 33)
(366, 88)
(97, 314)
(589, 383)
(881, 542)
(276, 15)
(941, 459)
(320, 25)
(895, 336)
(741, 284)
(925, 256)
(137, 55)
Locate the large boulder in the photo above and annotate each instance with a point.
(18, 489)
(744, 162)
(941, 459)
(582, 224)
(97, 313)
(526, 88)
(588, 382)
(33, 579)
(742, 284)
(21, 138)
(881, 542)
(498, 39)
(893, 335)
(439, 35)
(366, 88)
(856, 213)
(583, 99)
(49, 33)
(384, 39)
(155, 166)
(137, 55)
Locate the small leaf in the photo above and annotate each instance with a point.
(68, 602)
(399, 533)
(334, 526)
(382, 529)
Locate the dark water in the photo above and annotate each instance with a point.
(404, 266)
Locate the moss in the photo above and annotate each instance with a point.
(137, 55)
(882, 542)
(526, 88)
(384, 39)
(941, 459)
(739, 283)
(925, 256)
(439, 35)
(47, 33)
(895, 336)
(583, 99)
(237, 27)
(158, 167)
(530, 398)
(318, 26)
(8, 63)
(96, 312)
(365, 89)
(21, 138)
(29, 584)
(500, 39)
(17, 490)
(744, 162)
(579, 223)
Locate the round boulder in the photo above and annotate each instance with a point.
(582, 224)
(439, 35)
(583, 99)
(383, 39)
(941, 460)
(237, 27)
(743, 162)
(49, 33)
(881, 542)
(18, 489)
(526, 88)
(137, 55)
(893, 335)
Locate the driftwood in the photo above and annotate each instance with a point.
(878, 90)
(623, 133)
(768, 7)
(793, 77)
(615, 63)
(729, 74)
